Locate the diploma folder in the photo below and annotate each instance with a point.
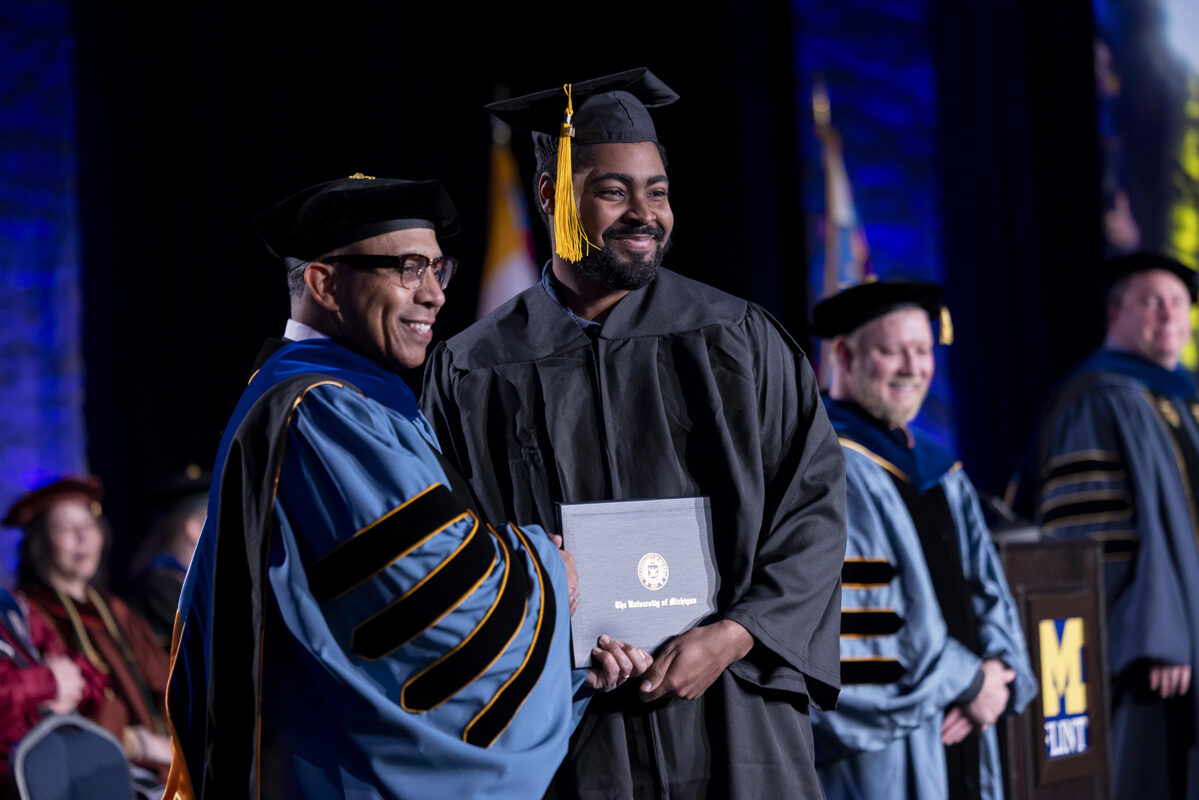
(647, 569)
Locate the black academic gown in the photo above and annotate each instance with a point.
(685, 391)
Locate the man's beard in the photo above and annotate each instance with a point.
(893, 414)
(604, 267)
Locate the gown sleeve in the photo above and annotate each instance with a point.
(792, 604)
(906, 678)
(354, 472)
(1000, 633)
(1111, 474)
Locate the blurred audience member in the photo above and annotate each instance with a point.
(60, 557)
(181, 502)
(37, 677)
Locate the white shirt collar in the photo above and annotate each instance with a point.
(298, 331)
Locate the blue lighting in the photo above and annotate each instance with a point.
(876, 61)
(41, 368)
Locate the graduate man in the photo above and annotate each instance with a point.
(1118, 457)
(617, 379)
(931, 646)
(351, 626)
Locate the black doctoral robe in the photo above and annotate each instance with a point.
(684, 391)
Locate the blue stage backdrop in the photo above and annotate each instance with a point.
(41, 369)
(874, 58)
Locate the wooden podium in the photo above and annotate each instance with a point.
(1058, 748)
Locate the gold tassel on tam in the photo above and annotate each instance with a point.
(946, 326)
(569, 237)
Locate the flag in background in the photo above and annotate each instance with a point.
(880, 69)
(842, 256)
(845, 260)
(508, 267)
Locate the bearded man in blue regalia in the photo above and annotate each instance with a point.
(932, 652)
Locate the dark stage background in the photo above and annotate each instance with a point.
(186, 127)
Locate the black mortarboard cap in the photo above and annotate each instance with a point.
(336, 213)
(852, 308)
(1117, 268)
(188, 487)
(607, 109)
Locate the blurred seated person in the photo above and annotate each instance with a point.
(181, 502)
(37, 677)
(60, 556)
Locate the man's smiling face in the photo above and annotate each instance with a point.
(1152, 317)
(889, 363)
(376, 315)
(624, 204)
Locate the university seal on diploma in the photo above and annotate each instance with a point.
(647, 569)
(653, 571)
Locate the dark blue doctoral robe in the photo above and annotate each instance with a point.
(901, 668)
(350, 626)
(1119, 460)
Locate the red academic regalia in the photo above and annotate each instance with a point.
(26, 682)
(118, 643)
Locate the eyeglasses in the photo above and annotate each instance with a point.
(410, 266)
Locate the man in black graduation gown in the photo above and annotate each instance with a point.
(615, 379)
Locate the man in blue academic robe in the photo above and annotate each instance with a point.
(932, 652)
(351, 626)
(1118, 457)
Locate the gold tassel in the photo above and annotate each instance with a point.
(946, 326)
(569, 237)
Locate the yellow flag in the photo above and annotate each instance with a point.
(508, 267)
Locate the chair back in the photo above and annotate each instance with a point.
(67, 757)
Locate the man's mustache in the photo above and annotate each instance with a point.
(620, 231)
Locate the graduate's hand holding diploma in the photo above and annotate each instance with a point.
(690, 662)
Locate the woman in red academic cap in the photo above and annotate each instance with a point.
(61, 554)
